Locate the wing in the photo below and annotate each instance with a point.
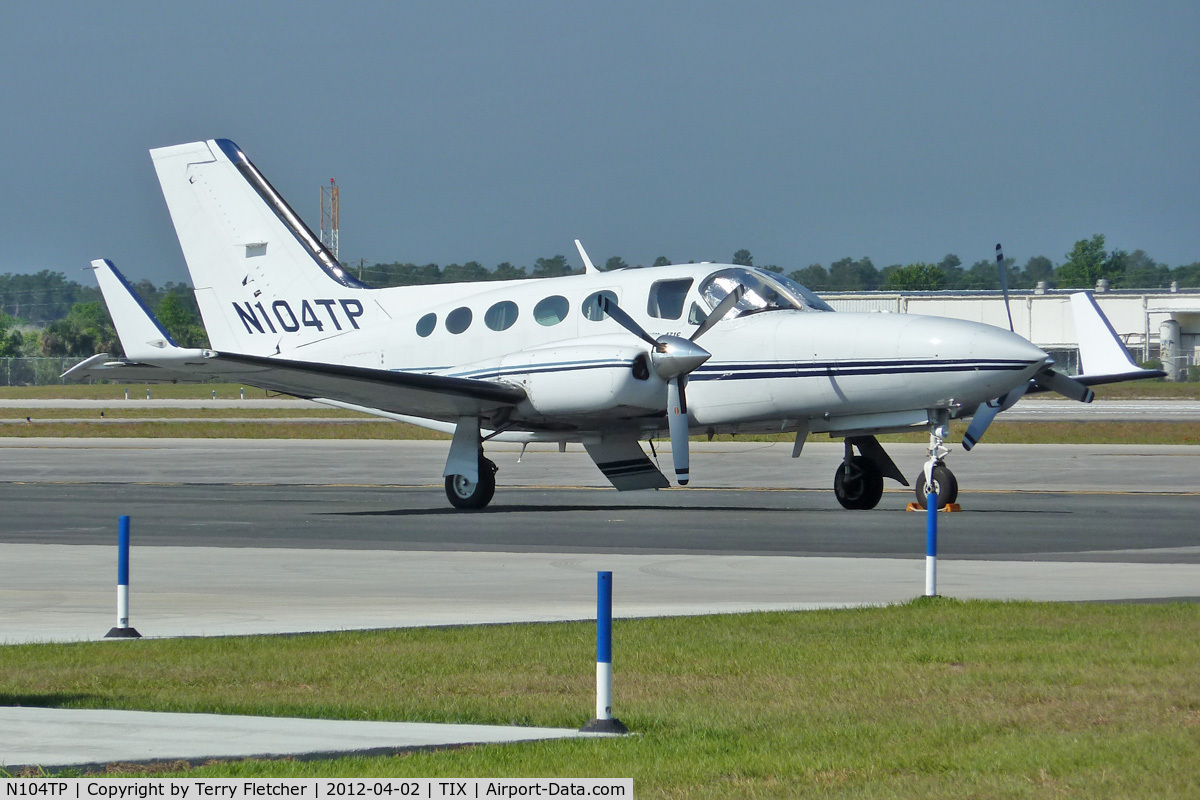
(418, 394)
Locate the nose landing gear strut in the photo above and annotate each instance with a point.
(936, 477)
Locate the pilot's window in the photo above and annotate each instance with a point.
(696, 314)
(551, 310)
(666, 298)
(501, 316)
(426, 324)
(591, 306)
(458, 320)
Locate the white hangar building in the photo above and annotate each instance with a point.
(1154, 324)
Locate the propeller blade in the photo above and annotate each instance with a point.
(1004, 284)
(625, 321)
(719, 312)
(988, 411)
(1067, 387)
(677, 421)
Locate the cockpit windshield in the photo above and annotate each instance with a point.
(765, 291)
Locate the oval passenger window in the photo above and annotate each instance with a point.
(458, 320)
(501, 316)
(551, 310)
(426, 324)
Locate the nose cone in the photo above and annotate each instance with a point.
(978, 362)
(675, 356)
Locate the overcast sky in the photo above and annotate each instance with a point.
(488, 131)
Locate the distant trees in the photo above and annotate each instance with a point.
(44, 313)
(919, 277)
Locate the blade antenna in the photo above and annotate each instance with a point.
(1004, 284)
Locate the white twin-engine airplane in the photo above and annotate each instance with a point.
(603, 358)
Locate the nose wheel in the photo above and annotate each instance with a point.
(943, 484)
(936, 477)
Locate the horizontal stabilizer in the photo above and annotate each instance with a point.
(1102, 356)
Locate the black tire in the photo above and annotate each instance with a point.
(858, 484)
(944, 483)
(468, 496)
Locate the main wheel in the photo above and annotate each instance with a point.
(945, 486)
(469, 495)
(858, 484)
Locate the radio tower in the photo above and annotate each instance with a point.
(329, 217)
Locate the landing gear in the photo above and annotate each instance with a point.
(936, 476)
(472, 495)
(858, 484)
(944, 484)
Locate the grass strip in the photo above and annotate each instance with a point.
(935, 698)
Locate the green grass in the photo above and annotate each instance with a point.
(929, 699)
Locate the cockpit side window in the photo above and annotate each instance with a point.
(666, 298)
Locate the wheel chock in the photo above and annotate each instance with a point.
(944, 509)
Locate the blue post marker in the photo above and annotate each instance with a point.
(604, 721)
(931, 512)
(243, 389)
(126, 392)
(123, 631)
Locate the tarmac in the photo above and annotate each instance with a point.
(90, 739)
(64, 591)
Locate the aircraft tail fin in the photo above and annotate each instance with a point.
(1103, 358)
(142, 336)
(264, 282)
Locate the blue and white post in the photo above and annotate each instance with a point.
(123, 631)
(931, 512)
(604, 721)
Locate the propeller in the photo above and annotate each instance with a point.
(1004, 284)
(1046, 379)
(673, 358)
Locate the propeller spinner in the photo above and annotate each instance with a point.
(673, 358)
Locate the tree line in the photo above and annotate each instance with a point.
(45, 314)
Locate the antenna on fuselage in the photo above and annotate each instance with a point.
(588, 266)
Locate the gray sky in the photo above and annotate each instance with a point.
(805, 132)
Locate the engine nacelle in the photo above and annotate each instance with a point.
(602, 377)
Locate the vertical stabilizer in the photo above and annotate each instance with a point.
(264, 282)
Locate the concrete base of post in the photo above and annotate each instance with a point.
(123, 633)
(604, 726)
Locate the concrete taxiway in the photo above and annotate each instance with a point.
(281, 536)
(92, 738)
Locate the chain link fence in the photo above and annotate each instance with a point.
(35, 371)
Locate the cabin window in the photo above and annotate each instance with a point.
(501, 316)
(666, 298)
(591, 306)
(551, 310)
(458, 320)
(696, 314)
(426, 324)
